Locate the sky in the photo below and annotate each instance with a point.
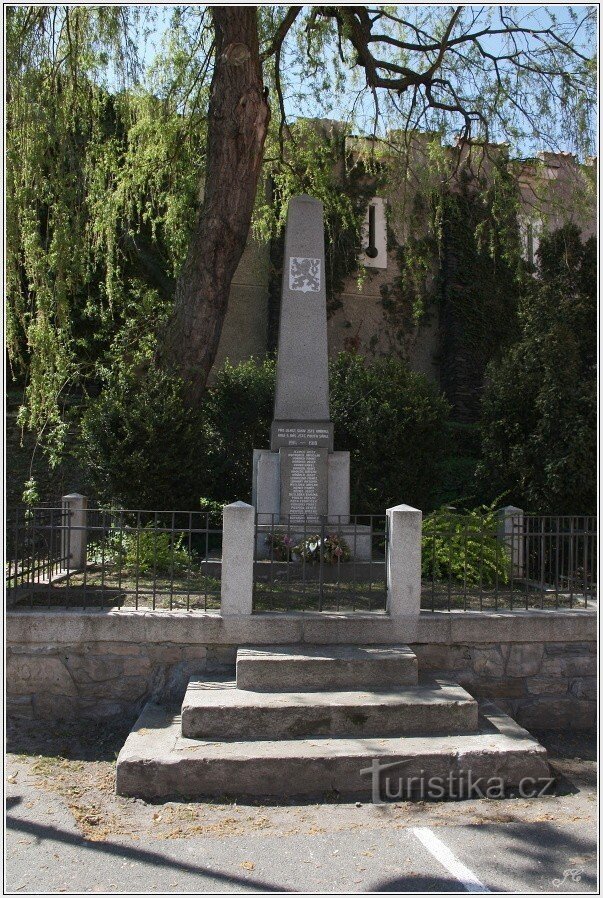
(314, 103)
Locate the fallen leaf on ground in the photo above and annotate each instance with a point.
(248, 865)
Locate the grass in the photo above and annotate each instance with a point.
(305, 596)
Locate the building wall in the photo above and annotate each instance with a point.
(245, 326)
(553, 190)
(540, 667)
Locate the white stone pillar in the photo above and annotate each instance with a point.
(404, 561)
(511, 535)
(238, 537)
(74, 537)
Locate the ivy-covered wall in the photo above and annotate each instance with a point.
(456, 237)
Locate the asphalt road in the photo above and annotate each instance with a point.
(52, 844)
(47, 853)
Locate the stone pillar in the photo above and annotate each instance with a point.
(238, 536)
(266, 485)
(302, 479)
(74, 536)
(404, 561)
(511, 534)
(302, 366)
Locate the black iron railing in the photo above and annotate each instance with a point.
(37, 546)
(310, 563)
(132, 559)
(118, 558)
(520, 562)
(559, 559)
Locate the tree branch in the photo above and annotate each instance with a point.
(281, 33)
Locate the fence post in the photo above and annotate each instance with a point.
(74, 536)
(238, 538)
(511, 534)
(404, 561)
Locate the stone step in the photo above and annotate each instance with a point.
(290, 668)
(158, 764)
(213, 710)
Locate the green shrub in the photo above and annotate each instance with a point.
(147, 550)
(390, 419)
(455, 480)
(236, 414)
(142, 447)
(540, 406)
(463, 546)
(213, 510)
(393, 423)
(139, 443)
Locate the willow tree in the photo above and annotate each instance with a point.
(85, 116)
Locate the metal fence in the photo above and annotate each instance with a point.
(133, 559)
(36, 547)
(172, 560)
(305, 563)
(528, 561)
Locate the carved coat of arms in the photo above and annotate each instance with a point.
(304, 275)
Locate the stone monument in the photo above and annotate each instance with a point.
(300, 479)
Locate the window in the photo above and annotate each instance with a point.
(530, 238)
(374, 235)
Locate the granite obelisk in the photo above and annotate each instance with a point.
(300, 477)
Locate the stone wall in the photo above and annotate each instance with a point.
(542, 685)
(540, 667)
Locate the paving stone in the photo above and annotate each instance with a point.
(92, 668)
(569, 666)
(26, 675)
(495, 689)
(488, 662)
(442, 657)
(584, 687)
(565, 648)
(547, 685)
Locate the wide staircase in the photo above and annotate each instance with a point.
(308, 720)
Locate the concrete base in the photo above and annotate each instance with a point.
(158, 764)
(228, 713)
(288, 668)
(357, 536)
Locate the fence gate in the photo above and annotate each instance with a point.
(331, 563)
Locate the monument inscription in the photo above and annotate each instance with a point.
(303, 482)
(317, 434)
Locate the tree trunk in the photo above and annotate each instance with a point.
(237, 127)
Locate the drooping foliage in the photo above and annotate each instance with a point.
(540, 406)
(106, 144)
(103, 178)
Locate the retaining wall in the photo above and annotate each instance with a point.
(540, 667)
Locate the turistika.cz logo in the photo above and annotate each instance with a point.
(393, 786)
